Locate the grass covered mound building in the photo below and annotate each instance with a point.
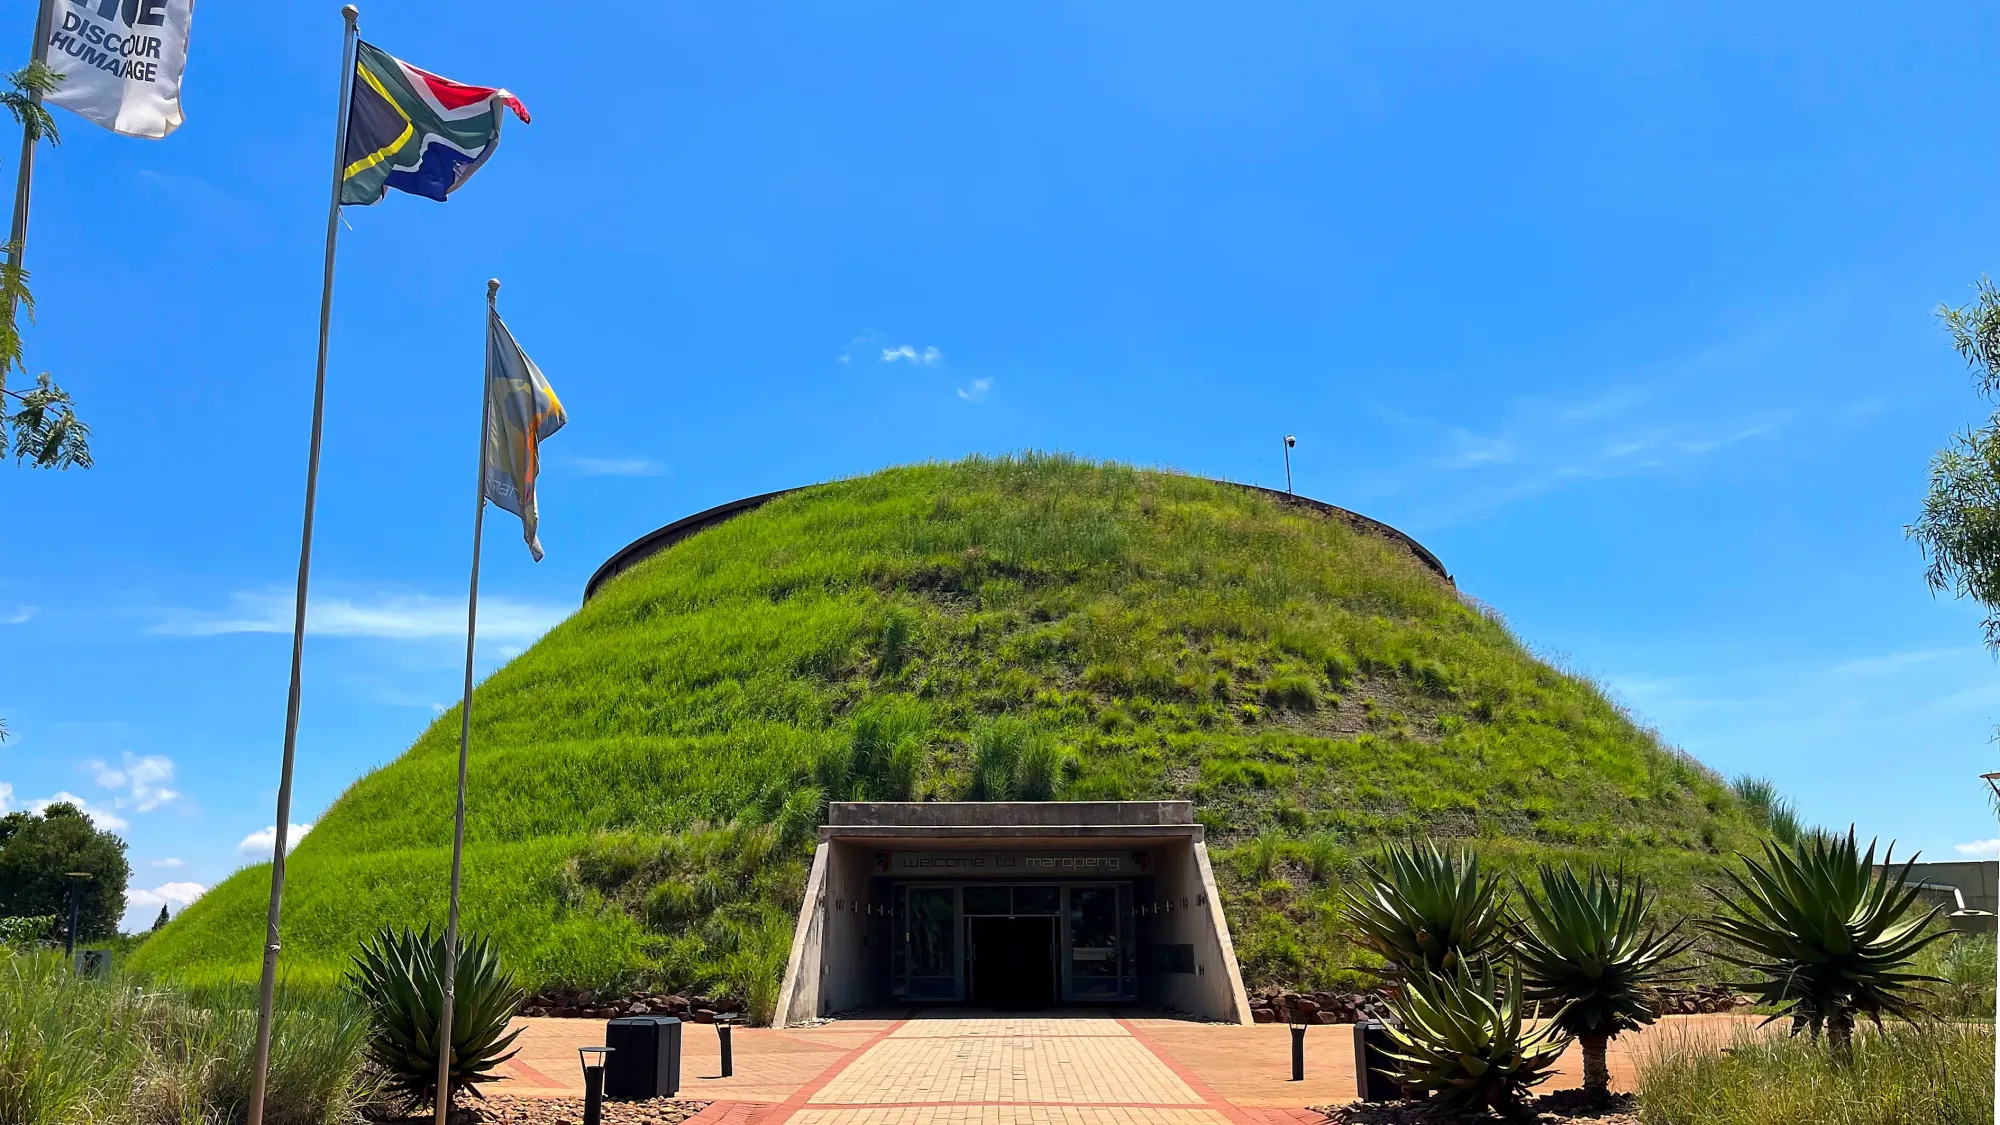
(647, 780)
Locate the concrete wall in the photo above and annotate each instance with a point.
(1185, 910)
(840, 924)
(799, 995)
(1977, 880)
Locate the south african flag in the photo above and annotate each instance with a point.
(411, 130)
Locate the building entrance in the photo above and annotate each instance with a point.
(1001, 945)
(1012, 962)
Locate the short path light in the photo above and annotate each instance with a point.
(722, 1025)
(1298, 1017)
(593, 1082)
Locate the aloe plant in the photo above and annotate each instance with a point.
(1462, 1039)
(1830, 935)
(1425, 910)
(399, 976)
(1589, 947)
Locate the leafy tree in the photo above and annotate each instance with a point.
(45, 429)
(1959, 530)
(36, 852)
(160, 923)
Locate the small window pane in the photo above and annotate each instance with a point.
(986, 900)
(1037, 900)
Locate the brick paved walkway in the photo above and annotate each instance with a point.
(1081, 1068)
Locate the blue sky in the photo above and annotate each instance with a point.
(1628, 316)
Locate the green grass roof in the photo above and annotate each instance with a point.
(645, 780)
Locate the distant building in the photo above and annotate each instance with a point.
(1968, 890)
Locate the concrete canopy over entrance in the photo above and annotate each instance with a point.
(1012, 905)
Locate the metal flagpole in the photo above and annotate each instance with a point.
(267, 989)
(465, 721)
(24, 173)
(1992, 781)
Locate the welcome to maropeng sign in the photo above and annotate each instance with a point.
(1009, 864)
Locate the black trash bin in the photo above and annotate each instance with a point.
(646, 1060)
(1374, 1074)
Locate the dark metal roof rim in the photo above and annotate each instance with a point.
(653, 542)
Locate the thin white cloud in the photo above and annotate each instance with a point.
(1896, 662)
(180, 894)
(18, 615)
(260, 842)
(6, 797)
(100, 816)
(170, 861)
(976, 390)
(906, 353)
(142, 906)
(617, 466)
(1979, 849)
(416, 617)
(142, 779)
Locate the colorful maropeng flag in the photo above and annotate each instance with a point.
(521, 410)
(410, 130)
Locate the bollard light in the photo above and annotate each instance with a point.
(722, 1025)
(593, 1082)
(1297, 1019)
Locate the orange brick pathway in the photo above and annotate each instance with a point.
(1077, 1068)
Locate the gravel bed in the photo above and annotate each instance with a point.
(505, 1109)
(1549, 1109)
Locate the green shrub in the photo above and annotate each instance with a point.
(1462, 1039)
(109, 1051)
(1424, 910)
(1588, 947)
(1930, 1073)
(400, 977)
(1831, 936)
(1013, 760)
(1291, 690)
(1965, 971)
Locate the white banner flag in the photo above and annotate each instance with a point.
(121, 62)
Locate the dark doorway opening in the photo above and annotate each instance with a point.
(1013, 962)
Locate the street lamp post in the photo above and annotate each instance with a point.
(1290, 441)
(76, 881)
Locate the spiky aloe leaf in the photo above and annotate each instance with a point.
(1829, 935)
(1462, 1039)
(399, 975)
(1423, 909)
(1588, 947)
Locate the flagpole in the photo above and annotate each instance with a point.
(465, 722)
(268, 986)
(24, 169)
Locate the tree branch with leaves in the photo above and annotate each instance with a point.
(1959, 530)
(41, 422)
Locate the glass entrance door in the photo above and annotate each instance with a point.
(1100, 944)
(929, 967)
